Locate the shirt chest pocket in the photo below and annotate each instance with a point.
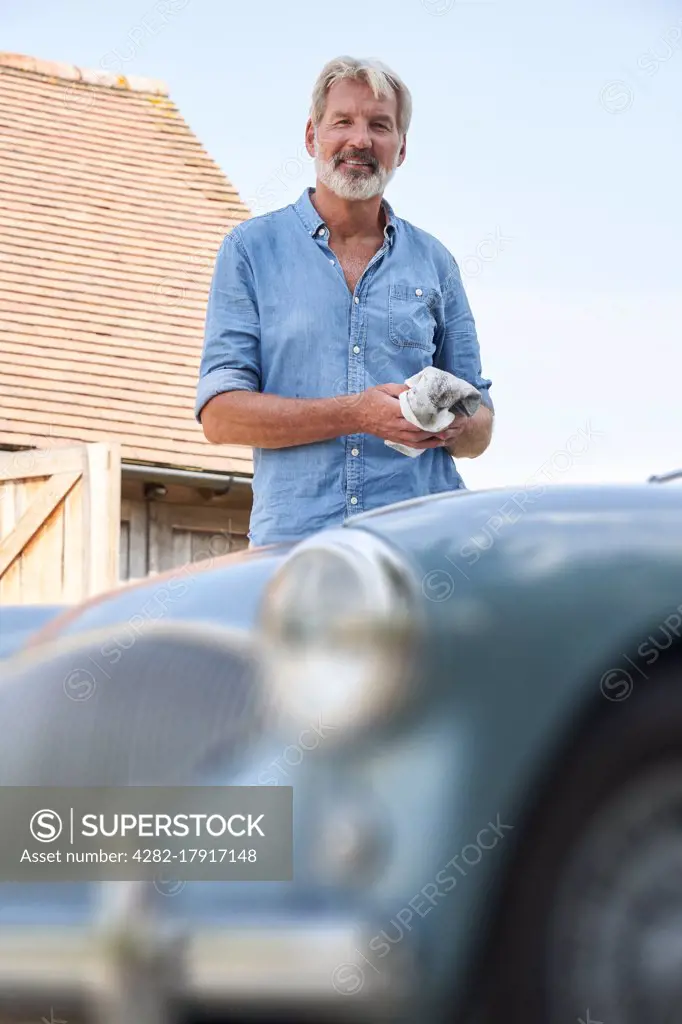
(411, 319)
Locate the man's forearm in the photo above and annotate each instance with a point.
(475, 435)
(270, 421)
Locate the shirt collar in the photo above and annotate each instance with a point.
(313, 222)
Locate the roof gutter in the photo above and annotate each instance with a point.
(189, 477)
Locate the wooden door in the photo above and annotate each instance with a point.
(180, 534)
(59, 523)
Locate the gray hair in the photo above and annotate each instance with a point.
(382, 81)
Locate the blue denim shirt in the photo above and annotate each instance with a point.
(282, 320)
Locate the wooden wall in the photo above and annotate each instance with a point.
(186, 525)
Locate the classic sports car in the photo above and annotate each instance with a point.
(476, 700)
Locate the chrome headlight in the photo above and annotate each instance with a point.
(341, 622)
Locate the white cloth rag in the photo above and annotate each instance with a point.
(435, 398)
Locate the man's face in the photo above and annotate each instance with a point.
(356, 145)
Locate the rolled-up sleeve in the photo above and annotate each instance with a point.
(231, 355)
(459, 351)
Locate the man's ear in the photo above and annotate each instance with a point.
(402, 151)
(310, 138)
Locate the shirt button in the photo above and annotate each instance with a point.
(355, 451)
(419, 292)
(332, 262)
(353, 500)
(356, 349)
(356, 300)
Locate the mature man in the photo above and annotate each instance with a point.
(320, 311)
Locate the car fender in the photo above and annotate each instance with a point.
(556, 617)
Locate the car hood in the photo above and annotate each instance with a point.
(531, 528)
(222, 591)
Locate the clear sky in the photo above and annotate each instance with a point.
(545, 152)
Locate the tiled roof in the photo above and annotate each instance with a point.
(111, 214)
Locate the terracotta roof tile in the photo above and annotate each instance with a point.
(111, 214)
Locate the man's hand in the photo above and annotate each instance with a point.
(467, 437)
(379, 413)
(451, 434)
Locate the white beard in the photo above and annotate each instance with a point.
(352, 185)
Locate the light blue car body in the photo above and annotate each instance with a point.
(531, 603)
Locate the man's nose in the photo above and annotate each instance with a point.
(359, 137)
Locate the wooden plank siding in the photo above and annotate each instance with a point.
(59, 523)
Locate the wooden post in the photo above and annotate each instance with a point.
(101, 517)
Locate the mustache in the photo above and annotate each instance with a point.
(357, 154)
